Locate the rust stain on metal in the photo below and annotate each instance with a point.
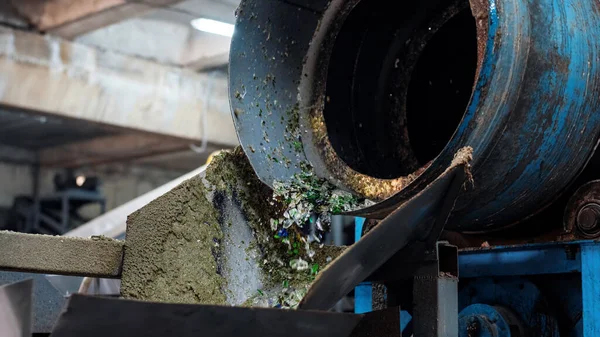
(367, 186)
(479, 9)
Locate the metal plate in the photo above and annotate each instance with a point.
(16, 309)
(101, 317)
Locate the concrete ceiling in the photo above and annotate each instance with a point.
(121, 31)
(56, 142)
(158, 30)
(34, 132)
(166, 36)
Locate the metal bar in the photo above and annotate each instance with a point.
(105, 17)
(337, 231)
(35, 222)
(60, 255)
(522, 260)
(424, 215)
(36, 186)
(436, 306)
(435, 297)
(103, 206)
(590, 282)
(49, 224)
(363, 293)
(65, 214)
(382, 323)
(363, 298)
(88, 316)
(359, 224)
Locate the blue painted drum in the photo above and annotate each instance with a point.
(310, 84)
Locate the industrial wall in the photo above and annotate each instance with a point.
(120, 183)
(16, 180)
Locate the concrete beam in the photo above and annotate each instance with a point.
(70, 18)
(168, 37)
(57, 77)
(107, 17)
(133, 146)
(45, 14)
(163, 40)
(211, 62)
(59, 255)
(10, 16)
(18, 156)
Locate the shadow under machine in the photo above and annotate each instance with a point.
(472, 125)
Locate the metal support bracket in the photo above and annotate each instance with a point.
(435, 294)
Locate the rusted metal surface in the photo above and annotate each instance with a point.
(362, 142)
(521, 128)
(532, 117)
(98, 257)
(480, 11)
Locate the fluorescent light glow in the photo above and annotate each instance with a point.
(212, 26)
(80, 180)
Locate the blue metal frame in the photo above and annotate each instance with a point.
(543, 259)
(524, 260)
(590, 282)
(532, 259)
(363, 293)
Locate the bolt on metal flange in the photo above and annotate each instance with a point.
(588, 219)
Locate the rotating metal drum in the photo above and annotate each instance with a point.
(377, 97)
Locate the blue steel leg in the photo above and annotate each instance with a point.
(590, 279)
(363, 293)
(363, 298)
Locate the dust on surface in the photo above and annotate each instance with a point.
(175, 245)
(364, 185)
(172, 248)
(289, 261)
(464, 157)
(60, 255)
